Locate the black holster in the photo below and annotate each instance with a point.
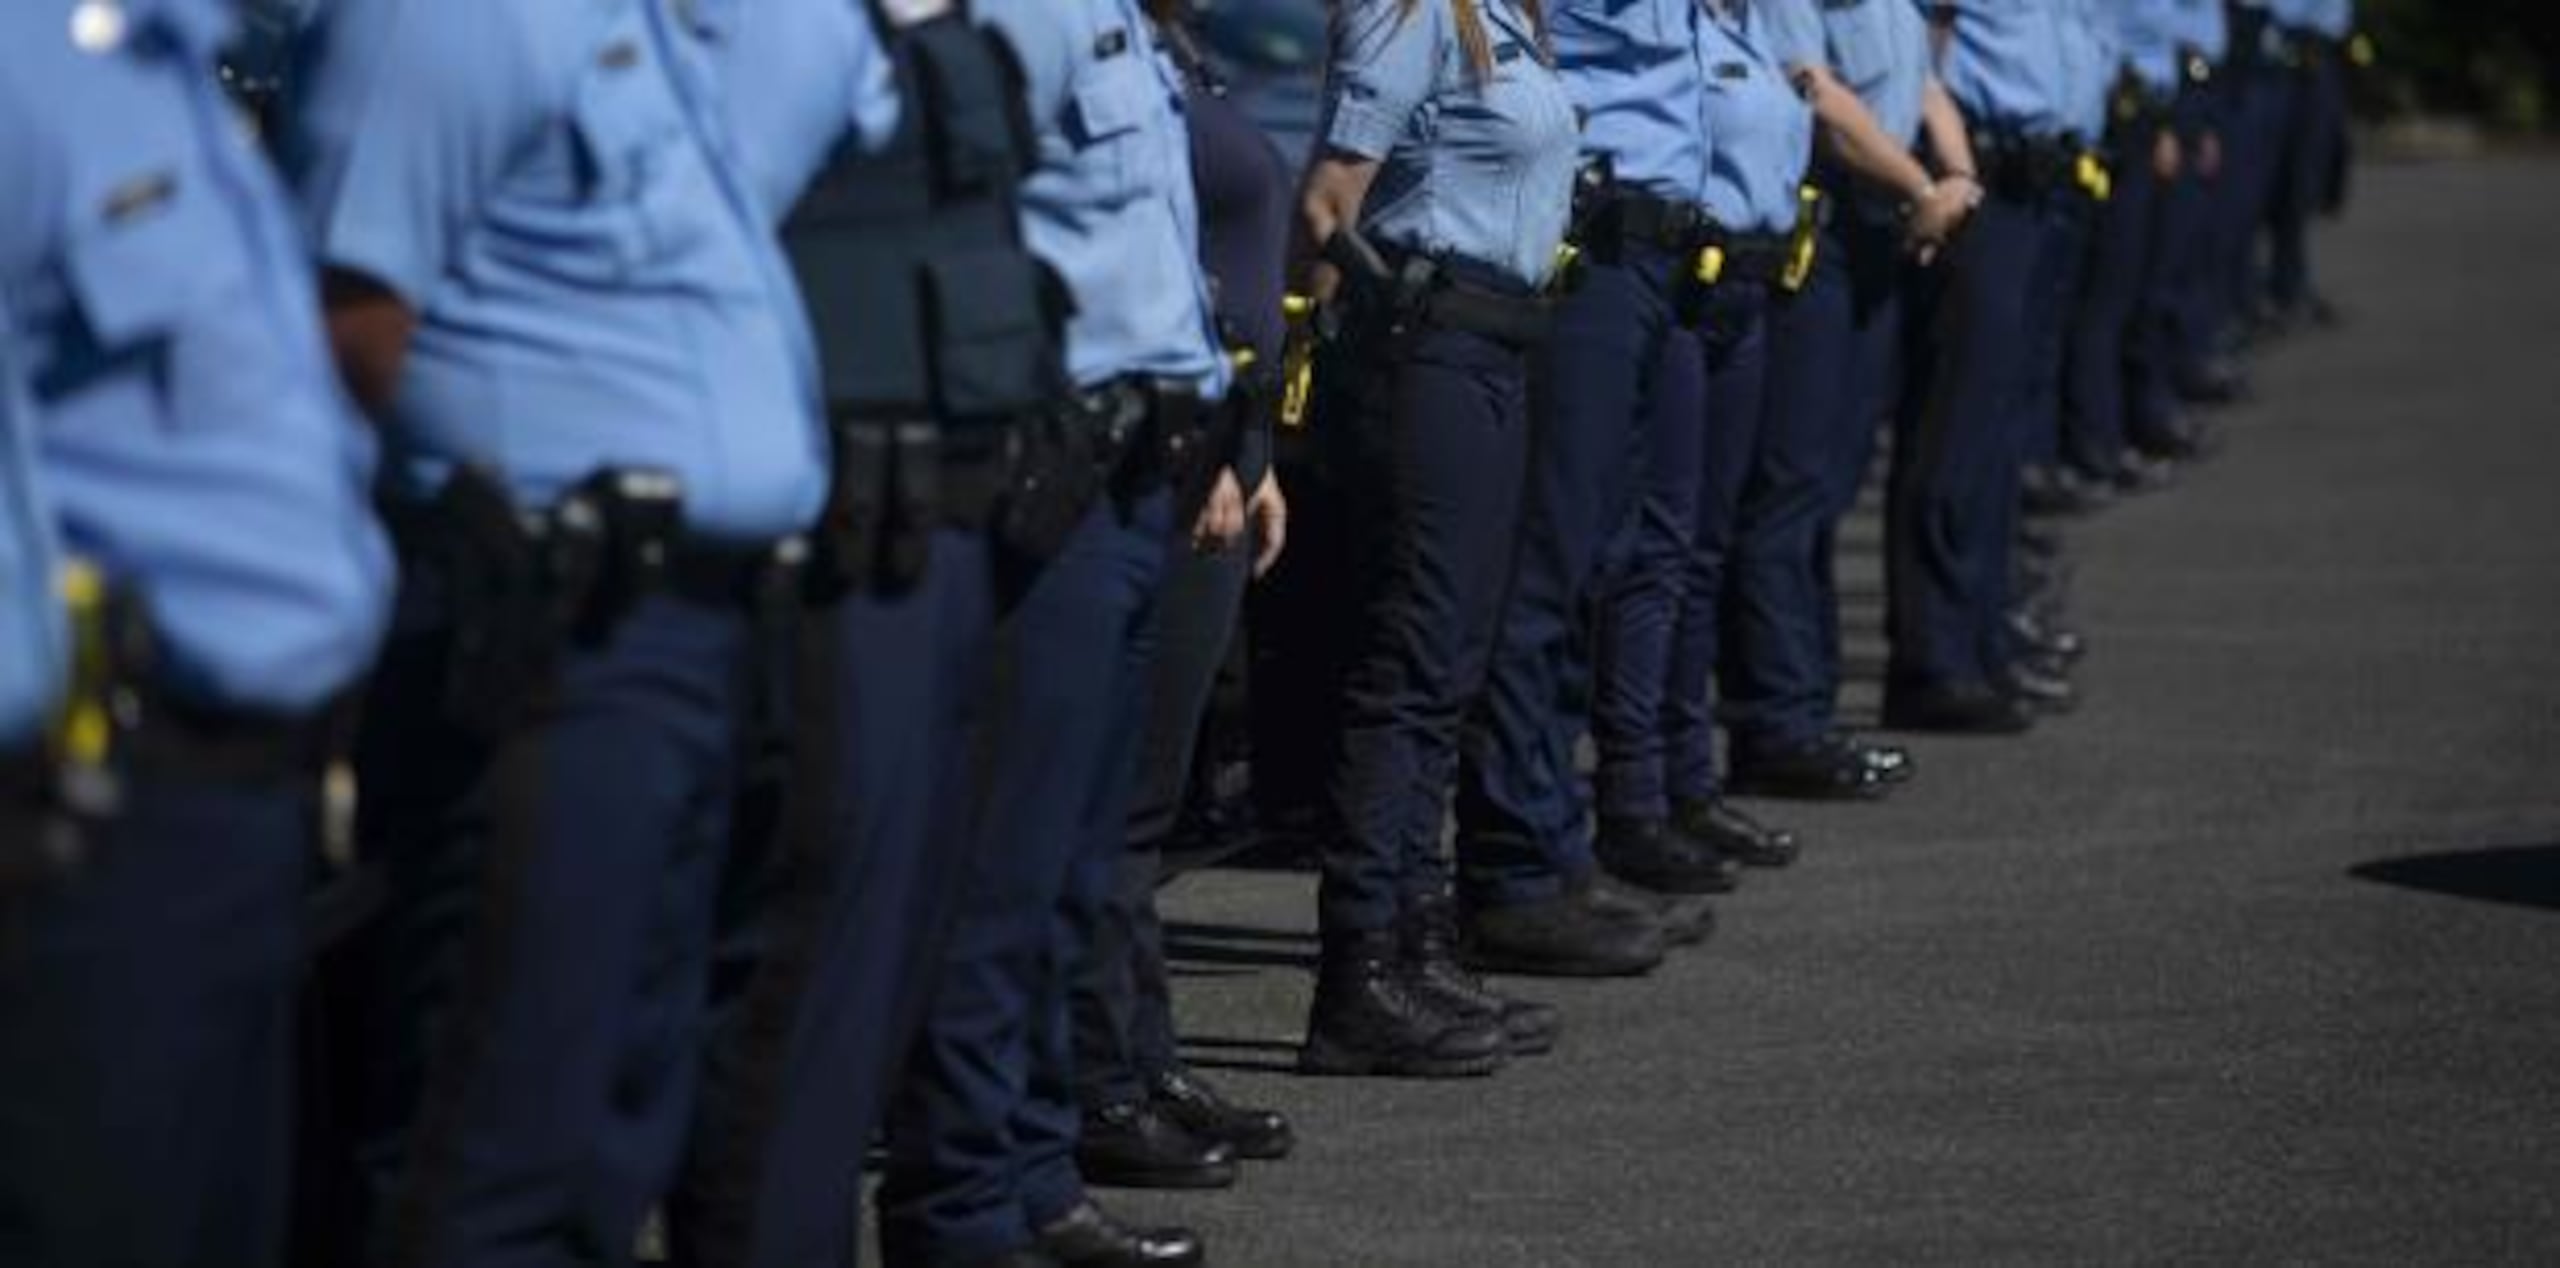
(519, 587)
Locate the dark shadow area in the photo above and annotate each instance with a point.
(1183, 930)
(1257, 1056)
(2522, 876)
(1191, 947)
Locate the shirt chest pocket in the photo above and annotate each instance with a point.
(150, 253)
(1117, 103)
(616, 193)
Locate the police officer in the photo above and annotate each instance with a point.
(1865, 69)
(194, 453)
(1150, 1120)
(2051, 488)
(1437, 199)
(2186, 304)
(982, 1135)
(1659, 615)
(842, 876)
(2315, 37)
(548, 281)
(2112, 371)
(1635, 74)
(1952, 503)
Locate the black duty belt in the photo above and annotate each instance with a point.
(1760, 258)
(224, 745)
(1397, 289)
(2027, 169)
(1634, 217)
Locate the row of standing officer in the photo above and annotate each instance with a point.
(681, 695)
(541, 232)
(1703, 416)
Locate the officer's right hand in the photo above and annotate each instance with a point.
(1937, 215)
(1221, 521)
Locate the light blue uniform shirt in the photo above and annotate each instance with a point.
(1636, 70)
(1110, 204)
(2147, 33)
(1476, 167)
(804, 77)
(33, 656)
(1879, 49)
(2089, 66)
(2005, 66)
(2333, 18)
(550, 188)
(2201, 25)
(1763, 129)
(192, 435)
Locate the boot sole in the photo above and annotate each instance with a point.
(1330, 1061)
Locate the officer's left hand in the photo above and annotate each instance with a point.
(1221, 522)
(1269, 513)
(2209, 155)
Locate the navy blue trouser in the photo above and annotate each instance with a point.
(2054, 297)
(2100, 365)
(1831, 361)
(2262, 102)
(1656, 634)
(982, 1130)
(1123, 1000)
(1952, 502)
(1439, 432)
(831, 940)
(2314, 146)
(2179, 298)
(1521, 832)
(530, 1006)
(146, 1036)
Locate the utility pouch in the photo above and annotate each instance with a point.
(1804, 246)
(610, 542)
(1298, 361)
(53, 795)
(508, 621)
(1055, 480)
(856, 520)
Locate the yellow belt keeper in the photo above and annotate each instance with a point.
(2361, 52)
(84, 735)
(1710, 265)
(1806, 245)
(2095, 179)
(1297, 360)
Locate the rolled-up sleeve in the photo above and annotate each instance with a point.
(408, 121)
(1796, 37)
(1386, 58)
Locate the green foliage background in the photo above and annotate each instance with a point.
(2496, 59)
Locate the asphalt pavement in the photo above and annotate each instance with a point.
(2254, 959)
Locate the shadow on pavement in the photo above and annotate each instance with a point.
(1196, 946)
(1258, 1056)
(2525, 876)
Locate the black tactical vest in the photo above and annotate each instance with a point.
(927, 307)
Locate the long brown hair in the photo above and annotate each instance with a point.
(1477, 42)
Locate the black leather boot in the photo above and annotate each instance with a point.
(1256, 1134)
(1090, 1237)
(1136, 1145)
(1369, 1018)
(1429, 938)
